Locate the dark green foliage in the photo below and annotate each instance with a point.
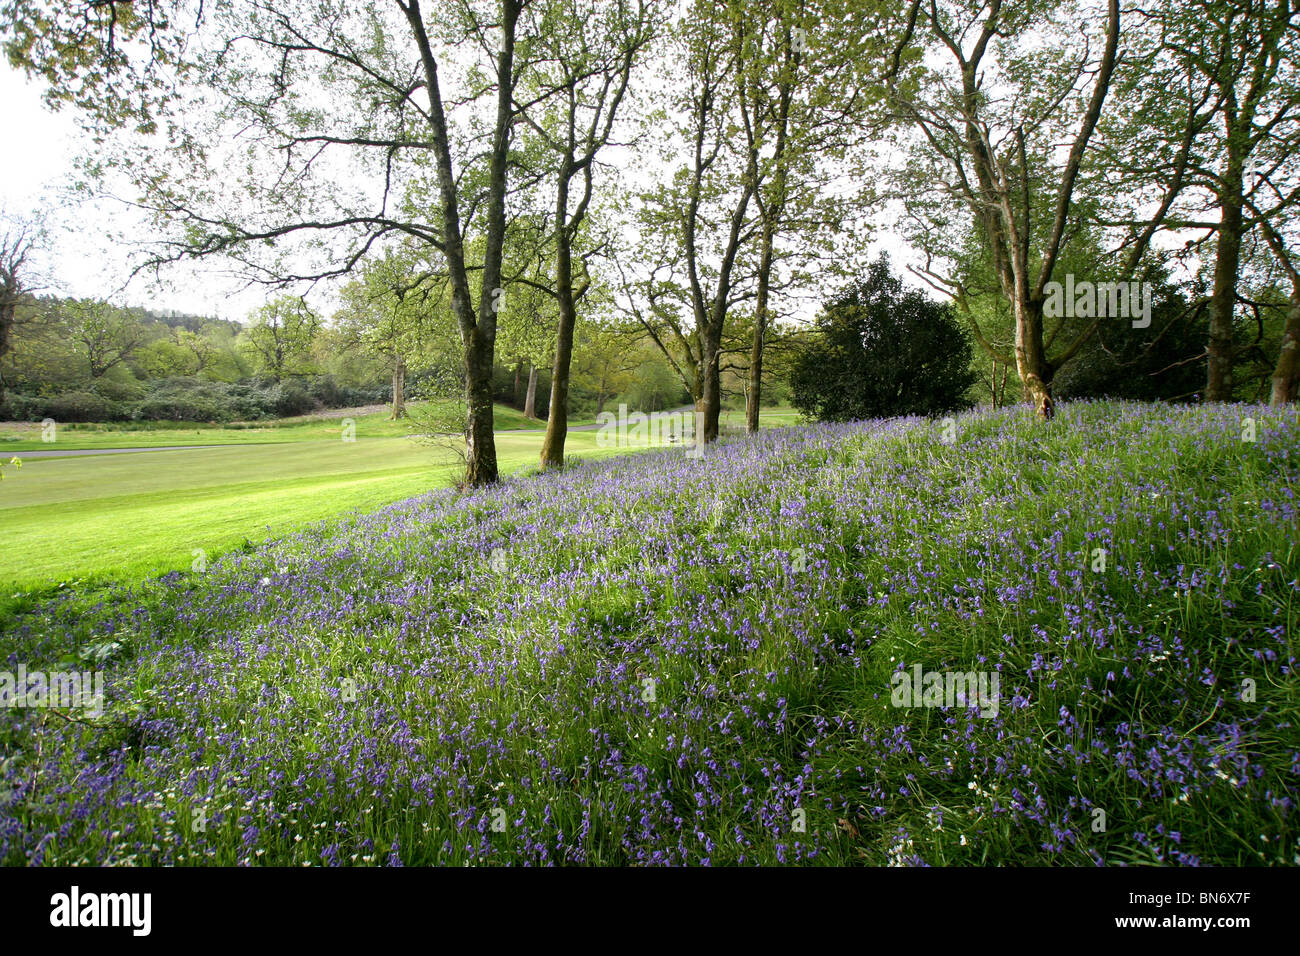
(194, 400)
(882, 350)
(1165, 362)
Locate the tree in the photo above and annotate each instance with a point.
(1246, 52)
(389, 312)
(1164, 362)
(804, 89)
(1209, 114)
(696, 225)
(258, 171)
(165, 357)
(585, 52)
(105, 335)
(282, 335)
(1286, 373)
(883, 351)
(18, 241)
(604, 361)
(992, 102)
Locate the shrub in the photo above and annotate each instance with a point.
(882, 351)
(79, 407)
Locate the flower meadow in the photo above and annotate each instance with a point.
(660, 659)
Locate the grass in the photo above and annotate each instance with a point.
(125, 517)
(662, 660)
(768, 417)
(26, 436)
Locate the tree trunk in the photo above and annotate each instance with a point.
(710, 399)
(478, 332)
(1286, 374)
(754, 395)
(771, 213)
(557, 418)
(514, 394)
(1031, 359)
(399, 389)
(557, 414)
(1223, 298)
(530, 397)
(480, 442)
(7, 310)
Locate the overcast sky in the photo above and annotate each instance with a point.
(35, 170)
(35, 173)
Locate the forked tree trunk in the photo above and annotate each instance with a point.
(1031, 359)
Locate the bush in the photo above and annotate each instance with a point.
(79, 407)
(291, 398)
(182, 399)
(881, 351)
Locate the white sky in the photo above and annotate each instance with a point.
(35, 171)
(35, 174)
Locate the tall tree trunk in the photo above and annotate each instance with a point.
(1031, 359)
(480, 441)
(1223, 298)
(557, 413)
(399, 388)
(755, 392)
(771, 212)
(1286, 374)
(710, 399)
(514, 394)
(530, 396)
(557, 417)
(477, 332)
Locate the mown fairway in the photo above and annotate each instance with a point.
(91, 518)
(18, 437)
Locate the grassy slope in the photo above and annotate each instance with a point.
(659, 660)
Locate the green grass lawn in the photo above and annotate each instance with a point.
(16, 438)
(102, 518)
(775, 416)
(96, 519)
